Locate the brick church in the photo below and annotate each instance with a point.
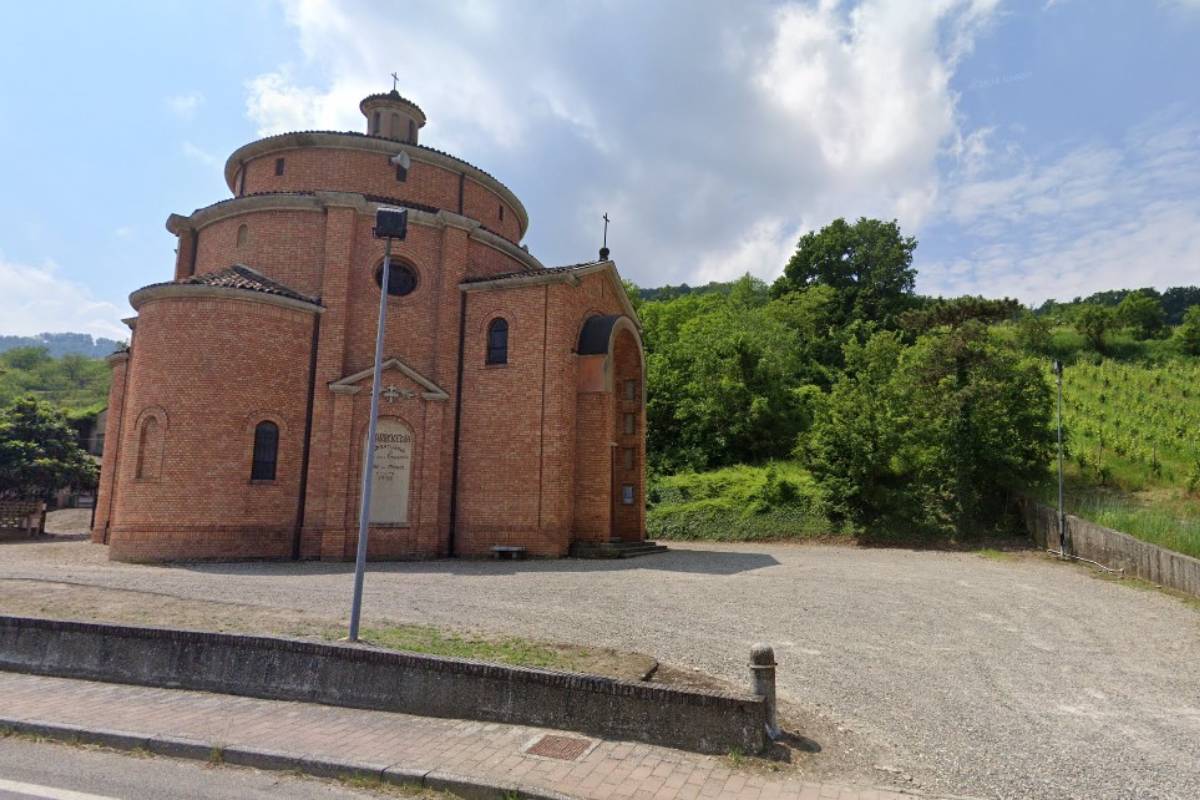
(512, 401)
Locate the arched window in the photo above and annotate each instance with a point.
(395, 126)
(497, 342)
(412, 131)
(266, 448)
(242, 234)
(149, 449)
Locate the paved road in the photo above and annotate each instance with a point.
(1014, 679)
(49, 771)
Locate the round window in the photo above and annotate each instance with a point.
(401, 280)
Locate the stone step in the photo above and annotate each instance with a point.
(615, 549)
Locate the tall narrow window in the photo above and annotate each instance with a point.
(412, 131)
(242, 234)
(631, 391)
(502, 212)
(266, 449)
(279, 166)
(375, 124)
(630, 424)
(627, 494)
(395, 126)
(148, 450)
(497, 342)
(629, 458)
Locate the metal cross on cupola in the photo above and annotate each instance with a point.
(395, 81)
(604, 247)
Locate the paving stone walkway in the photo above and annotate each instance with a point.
(487, 752)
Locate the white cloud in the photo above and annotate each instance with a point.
(712, 137)
(185, 106)
(200, 155)
(38, 300)
(1100, 215)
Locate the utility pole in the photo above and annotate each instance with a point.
(390, 223)
(1063, 536)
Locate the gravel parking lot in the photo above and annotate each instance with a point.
(1011, 677)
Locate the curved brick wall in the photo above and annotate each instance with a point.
(238, 363)
(370, 172)
(286, 246)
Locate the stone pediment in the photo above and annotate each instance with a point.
(416, 383)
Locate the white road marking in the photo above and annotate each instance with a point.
(48, 792)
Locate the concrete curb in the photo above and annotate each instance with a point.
(460, 785)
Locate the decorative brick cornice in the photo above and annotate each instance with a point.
(320, 201)
(345, 140)
(570, 275)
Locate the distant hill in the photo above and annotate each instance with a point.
(63, 344)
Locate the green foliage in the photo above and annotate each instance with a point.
(1133, 426)
(1034, 334)
(72, 382)
(957, 311)
(723, 378)
(1143, 314)
(739, 503)
(1094, 323)
(1188, 332)
(40, 452)
(927, 439)
(868, 264)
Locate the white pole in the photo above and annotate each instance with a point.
(364, 511)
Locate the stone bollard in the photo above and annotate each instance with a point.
(762, 682)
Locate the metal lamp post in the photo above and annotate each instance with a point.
(390, 223)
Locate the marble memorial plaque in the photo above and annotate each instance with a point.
(393, 469)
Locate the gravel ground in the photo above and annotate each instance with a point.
(1011, 678)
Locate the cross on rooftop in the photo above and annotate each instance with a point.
(395, 80)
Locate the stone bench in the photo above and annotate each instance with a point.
(509, 552)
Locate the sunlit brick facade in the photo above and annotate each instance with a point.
(512, 402)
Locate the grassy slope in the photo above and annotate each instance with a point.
(1132, 419)
(1134, 448)
(739, 503)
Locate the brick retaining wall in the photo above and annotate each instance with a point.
(363, 677)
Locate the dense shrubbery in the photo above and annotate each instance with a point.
(915, 415)
(775, 501)
(929, 438)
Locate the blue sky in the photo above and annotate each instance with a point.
(1036, 149)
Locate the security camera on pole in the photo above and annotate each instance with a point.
(390, 223)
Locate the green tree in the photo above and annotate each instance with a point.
(930, 438)
(956, 311)
(633, 293)
(1188, 331)
(1143, 314)
(39, 452)
(723, 382)
(868, 263)
(1094, 323)
(1033, 333)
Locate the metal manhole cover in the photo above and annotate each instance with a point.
(566, 748)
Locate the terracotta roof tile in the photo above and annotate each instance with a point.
(240, 276)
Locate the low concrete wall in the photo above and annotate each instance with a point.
(383, 680)
(1113, 549)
